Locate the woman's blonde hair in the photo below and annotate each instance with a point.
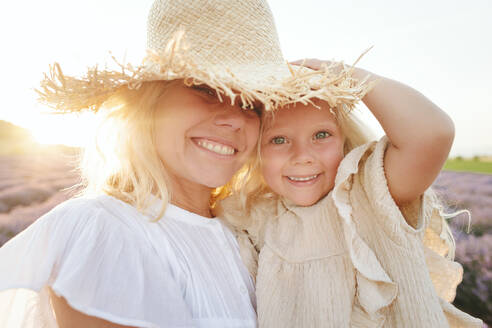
(122, 160)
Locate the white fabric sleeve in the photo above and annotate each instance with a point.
(101, 263)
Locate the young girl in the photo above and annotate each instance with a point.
(342, 232)
(142, 247)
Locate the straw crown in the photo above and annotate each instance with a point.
(230, 45)
(219, 32)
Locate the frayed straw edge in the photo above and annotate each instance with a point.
(70, 94)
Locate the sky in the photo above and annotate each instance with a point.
(442, 48)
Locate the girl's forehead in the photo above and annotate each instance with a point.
(298, 115)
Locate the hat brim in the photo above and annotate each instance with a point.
(273, 84)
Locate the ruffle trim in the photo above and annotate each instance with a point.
(375, 289)
(395, 224)
(33, 309)
(429, 225)
(457, 318)
(92, 236)
(445, 273)
(101, 314)
(273, 84)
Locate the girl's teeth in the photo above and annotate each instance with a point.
(219, 149)
(303, 179)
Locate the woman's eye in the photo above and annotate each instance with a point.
(278, 140)
(322, 135)
(258, 110)
(205, 89)
(254, 108)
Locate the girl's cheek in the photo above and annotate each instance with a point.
(271, 165)
(268, 174)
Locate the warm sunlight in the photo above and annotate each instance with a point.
(116, 183)
(422, 49)
(63, 129)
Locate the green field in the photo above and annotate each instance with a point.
(468, 165)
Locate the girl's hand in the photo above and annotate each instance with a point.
(336, 67)
(420, 133)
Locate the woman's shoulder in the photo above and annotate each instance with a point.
(100, 210)
(86, 249)
(79, 227)
(88, 205)
(77, 230)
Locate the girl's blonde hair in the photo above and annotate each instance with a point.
(122, 160)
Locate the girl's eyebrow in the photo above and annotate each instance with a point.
(276, 130)
(327, 124)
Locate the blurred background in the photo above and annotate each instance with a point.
(442, 48)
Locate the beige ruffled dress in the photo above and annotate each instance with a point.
(351, 260)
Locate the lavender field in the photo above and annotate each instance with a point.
(474, 247)
(32, 184)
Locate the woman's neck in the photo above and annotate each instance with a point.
(191, 197)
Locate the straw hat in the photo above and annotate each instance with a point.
(230, 45)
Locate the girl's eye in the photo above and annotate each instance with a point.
(278, 140)
(322, 135)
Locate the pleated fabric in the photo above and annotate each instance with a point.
(111, 261)
(350, 260)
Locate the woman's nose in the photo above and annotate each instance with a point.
(230, 116)
(301, 154)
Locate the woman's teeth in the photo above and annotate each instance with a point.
(303, 179)
(219, 149)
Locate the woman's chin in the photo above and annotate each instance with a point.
(214, 181)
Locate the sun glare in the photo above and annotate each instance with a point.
(66, 130)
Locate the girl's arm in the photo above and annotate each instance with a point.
(420, 134)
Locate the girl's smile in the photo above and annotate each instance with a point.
(301, 181)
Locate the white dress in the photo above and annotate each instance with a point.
(109, 260)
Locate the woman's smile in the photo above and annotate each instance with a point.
(215, 147)
(202, 140)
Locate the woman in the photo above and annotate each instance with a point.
(141, 247)
(181, 270)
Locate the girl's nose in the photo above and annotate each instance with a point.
(301, 154)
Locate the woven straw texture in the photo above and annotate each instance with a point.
(232, 46)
